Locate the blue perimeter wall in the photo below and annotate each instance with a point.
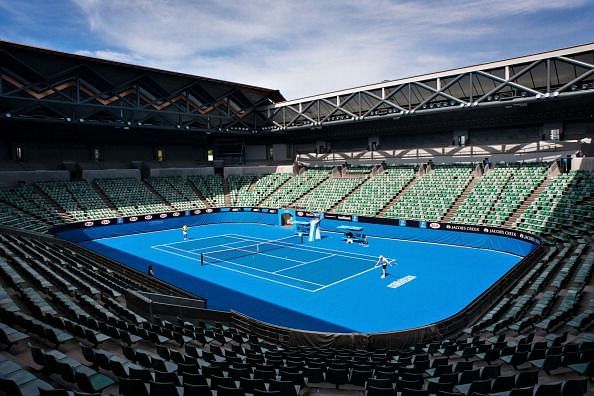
(481, 241)
(471, 239)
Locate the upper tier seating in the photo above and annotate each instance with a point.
(261, 187)
(565, 204)
(431, 196)
(483, 196)
(211, 188)
(328, 193)
(296, 187)
(131, 196)
(377, 192)
(176, 192)
(78, 199)
(523, 182)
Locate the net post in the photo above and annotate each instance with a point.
(201, 259)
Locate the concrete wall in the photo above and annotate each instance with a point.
(10, 178)
(91, 175)
(183, 172)
(255, 152)
(584, 163)
(257, 170)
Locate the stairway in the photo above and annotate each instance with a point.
(292, 204)
(226, 192)
(198, 193)
(61, 211)
(253, 183)
(528, 201)
(106, 199)
(397, 196)
(358, 187)
(261, 202)
(461, 199)
(149, 187)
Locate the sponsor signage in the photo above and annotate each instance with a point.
(453, 227)
(334, 216)
(491, 231)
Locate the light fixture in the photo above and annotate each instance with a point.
(8, 115)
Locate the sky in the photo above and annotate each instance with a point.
(301, 48)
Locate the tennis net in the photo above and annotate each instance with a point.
(248, 250)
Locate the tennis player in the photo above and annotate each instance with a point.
(185, 232)
(383, 262)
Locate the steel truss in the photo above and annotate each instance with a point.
(83, 93)
(544, 76)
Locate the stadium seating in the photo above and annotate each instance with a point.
(211, 189)
(562, 206)
(78, 199)
(296, 187)
(72, 308)
(176, 192)
(377, 192)
(483, 196)
(523, 182)
(261, 187)
(432, 195)
(131, 196)
(26, 199)
(328, 193)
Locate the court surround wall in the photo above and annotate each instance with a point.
(526, 245)
(480, 237)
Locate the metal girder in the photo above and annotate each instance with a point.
(172, 98)
(530, 81)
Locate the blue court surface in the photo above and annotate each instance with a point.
(327, 285)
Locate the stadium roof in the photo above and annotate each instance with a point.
(55, 86)
(552, 74)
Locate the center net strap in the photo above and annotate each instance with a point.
(248, 250)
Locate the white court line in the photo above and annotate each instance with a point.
(266, 279)
(163, 230)
(345, 279)
(433, 243)
(260, 254)
(173, 247)
(315, 249)
(304, 263)
(217, 246)
(244, 273)
(195, 239)
(246, 266)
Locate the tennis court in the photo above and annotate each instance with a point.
(287, 261)
(326, 285)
